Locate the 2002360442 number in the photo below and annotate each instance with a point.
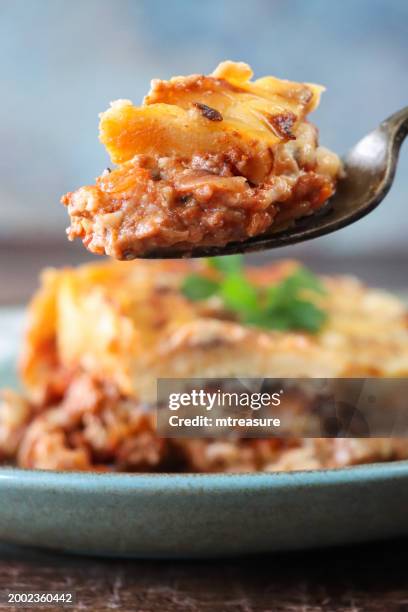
(33, 598)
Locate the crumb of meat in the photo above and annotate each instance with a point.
(15, 415)
(208, 112)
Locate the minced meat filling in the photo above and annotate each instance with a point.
(148, 204)
(93, 427)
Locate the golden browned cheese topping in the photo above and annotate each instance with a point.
(205, 160)
(168, 123)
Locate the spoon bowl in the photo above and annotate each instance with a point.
(369, 172)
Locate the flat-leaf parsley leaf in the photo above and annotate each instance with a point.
(291, 303)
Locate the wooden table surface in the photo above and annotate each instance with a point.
(371, 577)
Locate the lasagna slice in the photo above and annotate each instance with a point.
(99, 336)
(204, 161)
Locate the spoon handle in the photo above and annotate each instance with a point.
(397, 126)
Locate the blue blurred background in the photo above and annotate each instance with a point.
(63, 62)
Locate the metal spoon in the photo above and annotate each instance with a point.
(369, 172)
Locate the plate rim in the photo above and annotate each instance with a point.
(222, 481)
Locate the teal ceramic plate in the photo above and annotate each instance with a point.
(169, 515)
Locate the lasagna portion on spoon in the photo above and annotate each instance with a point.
(204, 161)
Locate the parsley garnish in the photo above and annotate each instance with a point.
(289, 304)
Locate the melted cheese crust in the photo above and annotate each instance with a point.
(253, 115)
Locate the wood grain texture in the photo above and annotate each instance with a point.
(372, 577)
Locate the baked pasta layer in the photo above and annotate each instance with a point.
(204, 161)
(128, 324)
